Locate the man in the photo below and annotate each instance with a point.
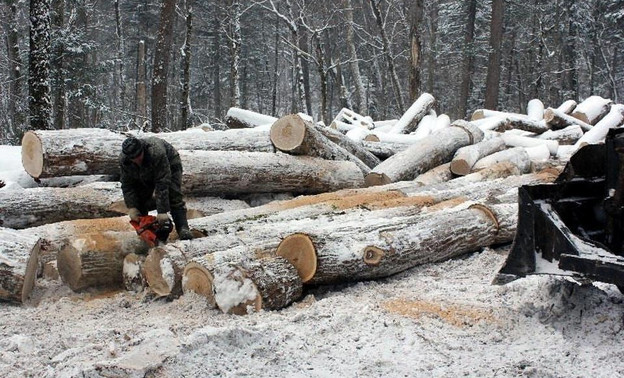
(151, 177)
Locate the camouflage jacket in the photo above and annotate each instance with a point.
(154, 174)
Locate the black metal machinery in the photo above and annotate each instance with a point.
(574, 226)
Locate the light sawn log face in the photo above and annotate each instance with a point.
(19, 255)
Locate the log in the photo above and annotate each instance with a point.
(383, 150)
(232, 172)
(466, 157)
(425, 126)
(592, 109)
(526, 124)
(294, 135)
(487, 113)
(250, 286)
(247, 139)
(354, 148)
(132, 273)
(409, 120)
(376, 136)
(441, 173)
(443, 121)
(567, 107)
(496, 171)
(237, 118)
(535, 110)
(351, 117)
(512, 140)
(386, 124)
(568, 135)
(38, 206)
(518, 156)
(95, 260)
(597, 134)
(489, 123)
(559, 120)
(369, 252)
(343, 127)
(19, 255)
(432, 151)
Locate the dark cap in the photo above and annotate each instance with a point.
(132, 147)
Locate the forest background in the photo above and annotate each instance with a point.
(173, 64)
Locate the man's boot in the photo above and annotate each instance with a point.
(179, 218)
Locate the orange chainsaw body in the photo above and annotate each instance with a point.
(151, 231)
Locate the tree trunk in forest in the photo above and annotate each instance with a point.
(433, 35)
(141, 86)
(354, 65)
(39, 105)
(16, 108)
(58, 67)
(186, 111)
(570, 75)
(468, 54)
(162, 55)
(216, 62)
(434, 150)
(235, 53)
(19, 256)
(415, 21)
(119, 75)
(492, 81)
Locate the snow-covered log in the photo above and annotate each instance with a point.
(466, 157)
(410, 119)
(497, 171)
(443, 121)
(592, 109)
(132, 272)
(597, 134)
(357, 134)
(367, 251)
(425, 126)
(385, 124)
(535, 110)
(559, 120)
(376, 136)
(343, 127)
(568, 135)
(489, 123)
(248, 139)
(294, 135)
(441, 173)
(383, 150)
(237, 118)
(96, 259)
(436, 149)
(512, 140)
(517, 156)
(524, 123)
(37, 206)
(19, 255)
(355, 148)
(567, 107)
(487, 113)
(217, 172)
(351, 117)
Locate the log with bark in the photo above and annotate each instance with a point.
(480, 114)
(567, 107)
(432, 151)
(410, 119)
(19, 255)
(132, 272)
(466, 157)
(232, 172)
(524, 123)
(295, 135)
(559, 120)
(248, 139)
(519, 156)
(354, 148)
(512, 140)
(489, 123)
(383, 150)
(96, 260)
(393, 138)
(443, 121)
(237, 118)
(367, 251)
(592, 109)
(597, 134)
(441, 173)
(568, 135)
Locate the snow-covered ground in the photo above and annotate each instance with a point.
(434, 320)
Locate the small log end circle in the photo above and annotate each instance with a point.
(299, 250)
(460, 167)
(371, 138)
(373, 255)
(198, 280)
(153, 273)
(288, 132)
(69, 266)
(376, 179)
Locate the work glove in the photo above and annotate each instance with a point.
(134, 214)
(162, 218)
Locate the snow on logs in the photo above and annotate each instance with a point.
(54, 153)
(410, 119)
(237, 118)
(353, 147)
(592, 109)
(434, 150)
(18, 264)
(557, 119)
(294, 135)
(613, 119)
(466, 157)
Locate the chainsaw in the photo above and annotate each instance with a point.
(152, 232)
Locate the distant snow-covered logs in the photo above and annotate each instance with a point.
(407, 242)
(294, 135)
(592, 109)
(18, 264)
(410, 119)
(237, 118)
(232, 172)
(558, 120)
(568, 135)
(434, 150)
(96, 259)
(613, 119)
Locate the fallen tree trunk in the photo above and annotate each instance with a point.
(466, 157)
(410, 119)
(432, 151)
(354, 148)
(394, 138)
(367, 253)
(351, 117)
(592, 109)
(512, 140)
(294, 135)
(231, 172)
(237, 118)
(568, 135)
(522, 123)
(18, 264)
(559, 120)
(248, 139)
(480, 114)
(96, 259)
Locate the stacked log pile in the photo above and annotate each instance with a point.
(373, 198)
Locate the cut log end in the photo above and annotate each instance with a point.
(376, 179)
(371, 138)
(299, 250)
(287, 133)
(373, 255)
(32, 154)
(199, 280)
(460, 167)
(69, 264)
(159, 282)
(31, 272)
(133, 277)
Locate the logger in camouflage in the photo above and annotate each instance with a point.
(151, 177)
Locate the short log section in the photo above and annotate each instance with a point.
(18, 264)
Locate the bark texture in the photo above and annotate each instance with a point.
(19, 255)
